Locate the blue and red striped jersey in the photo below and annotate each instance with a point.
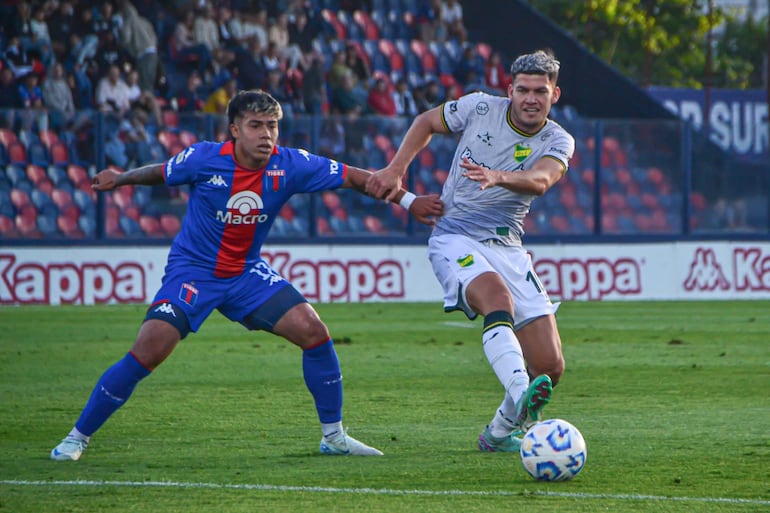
(231, 208)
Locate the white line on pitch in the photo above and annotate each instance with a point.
(385, 491)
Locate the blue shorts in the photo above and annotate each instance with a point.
(258, 298)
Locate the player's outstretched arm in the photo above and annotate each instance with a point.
(110, 178)
(425, 209)
(386, 182)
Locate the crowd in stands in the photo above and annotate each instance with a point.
(146, 64)
(120, 56)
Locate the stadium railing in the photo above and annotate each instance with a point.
(628, 180)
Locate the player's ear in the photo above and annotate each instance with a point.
(556, 94)
(233, 130)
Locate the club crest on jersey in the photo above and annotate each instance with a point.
(243, 208)
(274, 179)
(520, 153)
(188, 294)
(465, 261)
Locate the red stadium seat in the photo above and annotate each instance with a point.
(368, 26)
(19, 198)
(151, 226)
(329, 17)
(170, 119)
(69, 227)
(8, 137)
(170, 224)
(17, 153)
(186, 138)
(78, 175)
(36, 174)
(168, 139)
(8, 228)
(49, 138)
(59, 153)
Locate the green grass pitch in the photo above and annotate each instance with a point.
(673, 399)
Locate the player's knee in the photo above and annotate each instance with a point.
(553, 367)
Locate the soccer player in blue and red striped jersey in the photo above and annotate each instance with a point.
(237, 189)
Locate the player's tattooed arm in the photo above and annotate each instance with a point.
(110, 178)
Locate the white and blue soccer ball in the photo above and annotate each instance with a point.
(553, 450)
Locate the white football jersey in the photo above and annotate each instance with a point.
(491, 141)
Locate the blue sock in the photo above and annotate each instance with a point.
(323, 378)
(110, 393)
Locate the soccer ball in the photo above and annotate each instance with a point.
(553, 450)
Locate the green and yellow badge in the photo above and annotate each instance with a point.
(465, 261)
(520, 153)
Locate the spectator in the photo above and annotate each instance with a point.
(433, 94)
(83, 40)
(138, 37)
(244, 27)
(17, 58)
(429, 22)
(112, 94)
(271, 59)
(35, 116)
(467, 66)
(276, 86)
(41, 38)
(496, 78)
(61, 24)
(57, 97)
(217, 101)
(142, 98)
(279, 34)
(82, 88)
(314, 93)
(380, 100)
(188, 99)
(452, 20)
(206, 32)
(249, 66)
(358, 64)
(109, 53)
(9, 90)
(345, 99)
(185, 46)
(302, 32)
(404, 100)
(338, 71)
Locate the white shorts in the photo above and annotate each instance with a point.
(458, 260)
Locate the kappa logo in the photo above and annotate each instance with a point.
(166, 308)
(304, 153)
(706, 272)
(217, 180)
(243, 208)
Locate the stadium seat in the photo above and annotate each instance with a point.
(368, 26)
(129, 226)
(19, 198)
(48, 138)
(59, 154)
(186, 138)
(36, 174)
(170, 224)
(78, 175)
(8, 228)
(151, 226)
(26, 223)
(8, 137)
(427, 59)
(17, 153)
(330, 18)
(69, 227)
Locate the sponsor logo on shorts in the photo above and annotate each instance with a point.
(465, 261)
(188, 294)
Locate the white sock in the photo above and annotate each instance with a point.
(503, 352)
(331, 429)
(77, 435)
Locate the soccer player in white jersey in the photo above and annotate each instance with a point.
(509, 153)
